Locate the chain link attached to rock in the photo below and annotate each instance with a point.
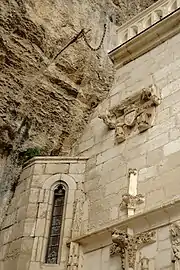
(78, 36)
(100, 44)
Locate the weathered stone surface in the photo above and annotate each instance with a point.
(155, 153)
(163, 259)
(47, 94)
(51, 78)
(30, 64)
(56, 168)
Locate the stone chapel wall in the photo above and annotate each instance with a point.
(25, 230)
(101, 221)
(155, 153)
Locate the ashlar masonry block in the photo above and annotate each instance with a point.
(164, 244)
(158, 141)
(31, 210)
(78, 168)
(110, 154)
(163, 259)
(56, 168)
(163, 233)
(154, 157)
(34, 195)
(172, 147)
(38, 180)
(39, 168)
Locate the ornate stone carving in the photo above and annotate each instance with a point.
(130, 201)
(144, 263)
(126, 246)
(133, 114)
(107, 118)
(130, 114)
(132, 171)
(143, 121)
(78, 212)
(150, 95)
(73, 260)
(119, 133)
(175, 240)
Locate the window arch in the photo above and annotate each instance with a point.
(42, 230)
(56, 225)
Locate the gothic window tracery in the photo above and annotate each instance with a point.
(55, 233)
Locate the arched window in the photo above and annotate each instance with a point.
(56, 226)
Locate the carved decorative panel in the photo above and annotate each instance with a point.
(133, 115)
(126, 246)
(78, 213)
(73, 259)
(175, 240)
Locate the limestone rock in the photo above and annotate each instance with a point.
(56, 93)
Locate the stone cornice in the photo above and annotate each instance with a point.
(140, 17)
(146, 40)
(143, 222)
(54, 159)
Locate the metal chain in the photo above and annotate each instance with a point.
(78, 36)
(87, 43)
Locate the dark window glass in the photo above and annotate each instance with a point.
(56, 224)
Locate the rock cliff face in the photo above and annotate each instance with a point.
(51, 76)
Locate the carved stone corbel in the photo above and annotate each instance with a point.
(132, 171)
(130, 201)
(150, 95)
(175, 241)
(126, 246)
(143, 121)
(133, 114)
(119, 133)
(108, 120)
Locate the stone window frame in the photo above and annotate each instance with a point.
(48, 188)
(60, 183)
